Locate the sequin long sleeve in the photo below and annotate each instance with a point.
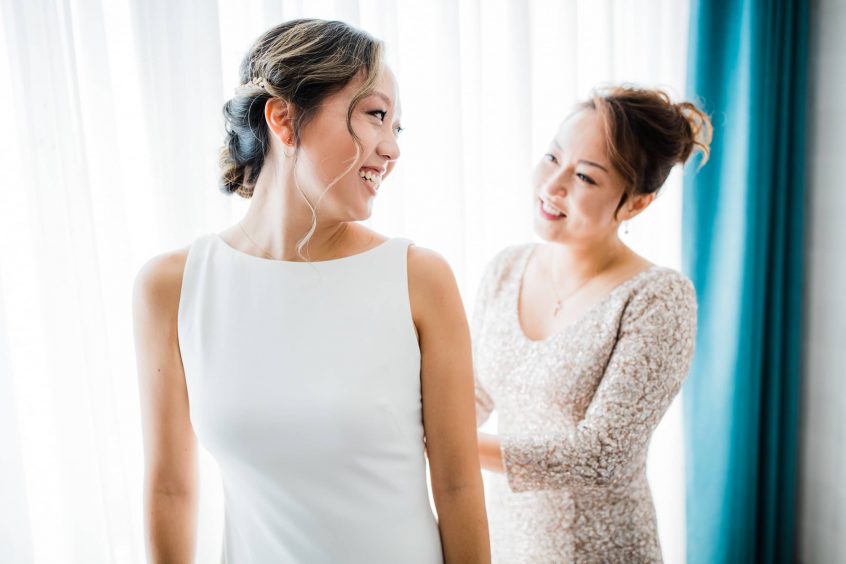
(647, 366)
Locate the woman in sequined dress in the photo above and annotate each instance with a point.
(580, 344)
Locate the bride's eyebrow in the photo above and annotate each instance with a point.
(383, 96)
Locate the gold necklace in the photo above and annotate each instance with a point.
(559, 301)
(268, 255)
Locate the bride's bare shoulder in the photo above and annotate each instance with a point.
(158, 282)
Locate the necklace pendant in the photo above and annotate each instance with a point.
(557, 308)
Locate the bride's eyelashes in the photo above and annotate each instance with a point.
(380, 114)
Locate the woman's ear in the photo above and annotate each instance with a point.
(279, 115)
(636, 205)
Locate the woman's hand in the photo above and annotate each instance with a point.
(490, 455)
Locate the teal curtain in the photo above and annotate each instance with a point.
(743, 247)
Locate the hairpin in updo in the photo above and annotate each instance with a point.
(257, 81)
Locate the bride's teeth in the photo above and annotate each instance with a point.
(370, 175)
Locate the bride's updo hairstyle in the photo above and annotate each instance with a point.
(303, 62)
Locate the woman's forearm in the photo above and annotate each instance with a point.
(463, 524)
(171, 522)
(490, 455)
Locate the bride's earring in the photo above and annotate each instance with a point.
(288, 146)
(626, 227)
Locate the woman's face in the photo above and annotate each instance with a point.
(327, 152)
(576, 189)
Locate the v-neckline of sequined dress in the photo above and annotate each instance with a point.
(576, 412)
(520, 277)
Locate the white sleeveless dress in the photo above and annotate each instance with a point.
(304, 384)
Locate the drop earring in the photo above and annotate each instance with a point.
(288, 147)
(625, 227)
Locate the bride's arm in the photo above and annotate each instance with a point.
(170, 451)
(446, 375)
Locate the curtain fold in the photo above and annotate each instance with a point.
(743, 224)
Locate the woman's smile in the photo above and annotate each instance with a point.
(549, 212)
(372, 178)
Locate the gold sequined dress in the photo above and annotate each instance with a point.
(576, 412)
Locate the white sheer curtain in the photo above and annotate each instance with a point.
(108, 154)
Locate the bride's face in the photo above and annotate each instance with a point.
(328, 157)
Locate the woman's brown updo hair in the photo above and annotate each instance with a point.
(303, 62)
(647, 134)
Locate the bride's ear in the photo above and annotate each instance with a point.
(279, 115)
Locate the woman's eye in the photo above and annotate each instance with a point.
(398, 130)
(585, 178)
(379, 114)
(550, 157)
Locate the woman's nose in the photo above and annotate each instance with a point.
(388, 147)
(555, 184)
